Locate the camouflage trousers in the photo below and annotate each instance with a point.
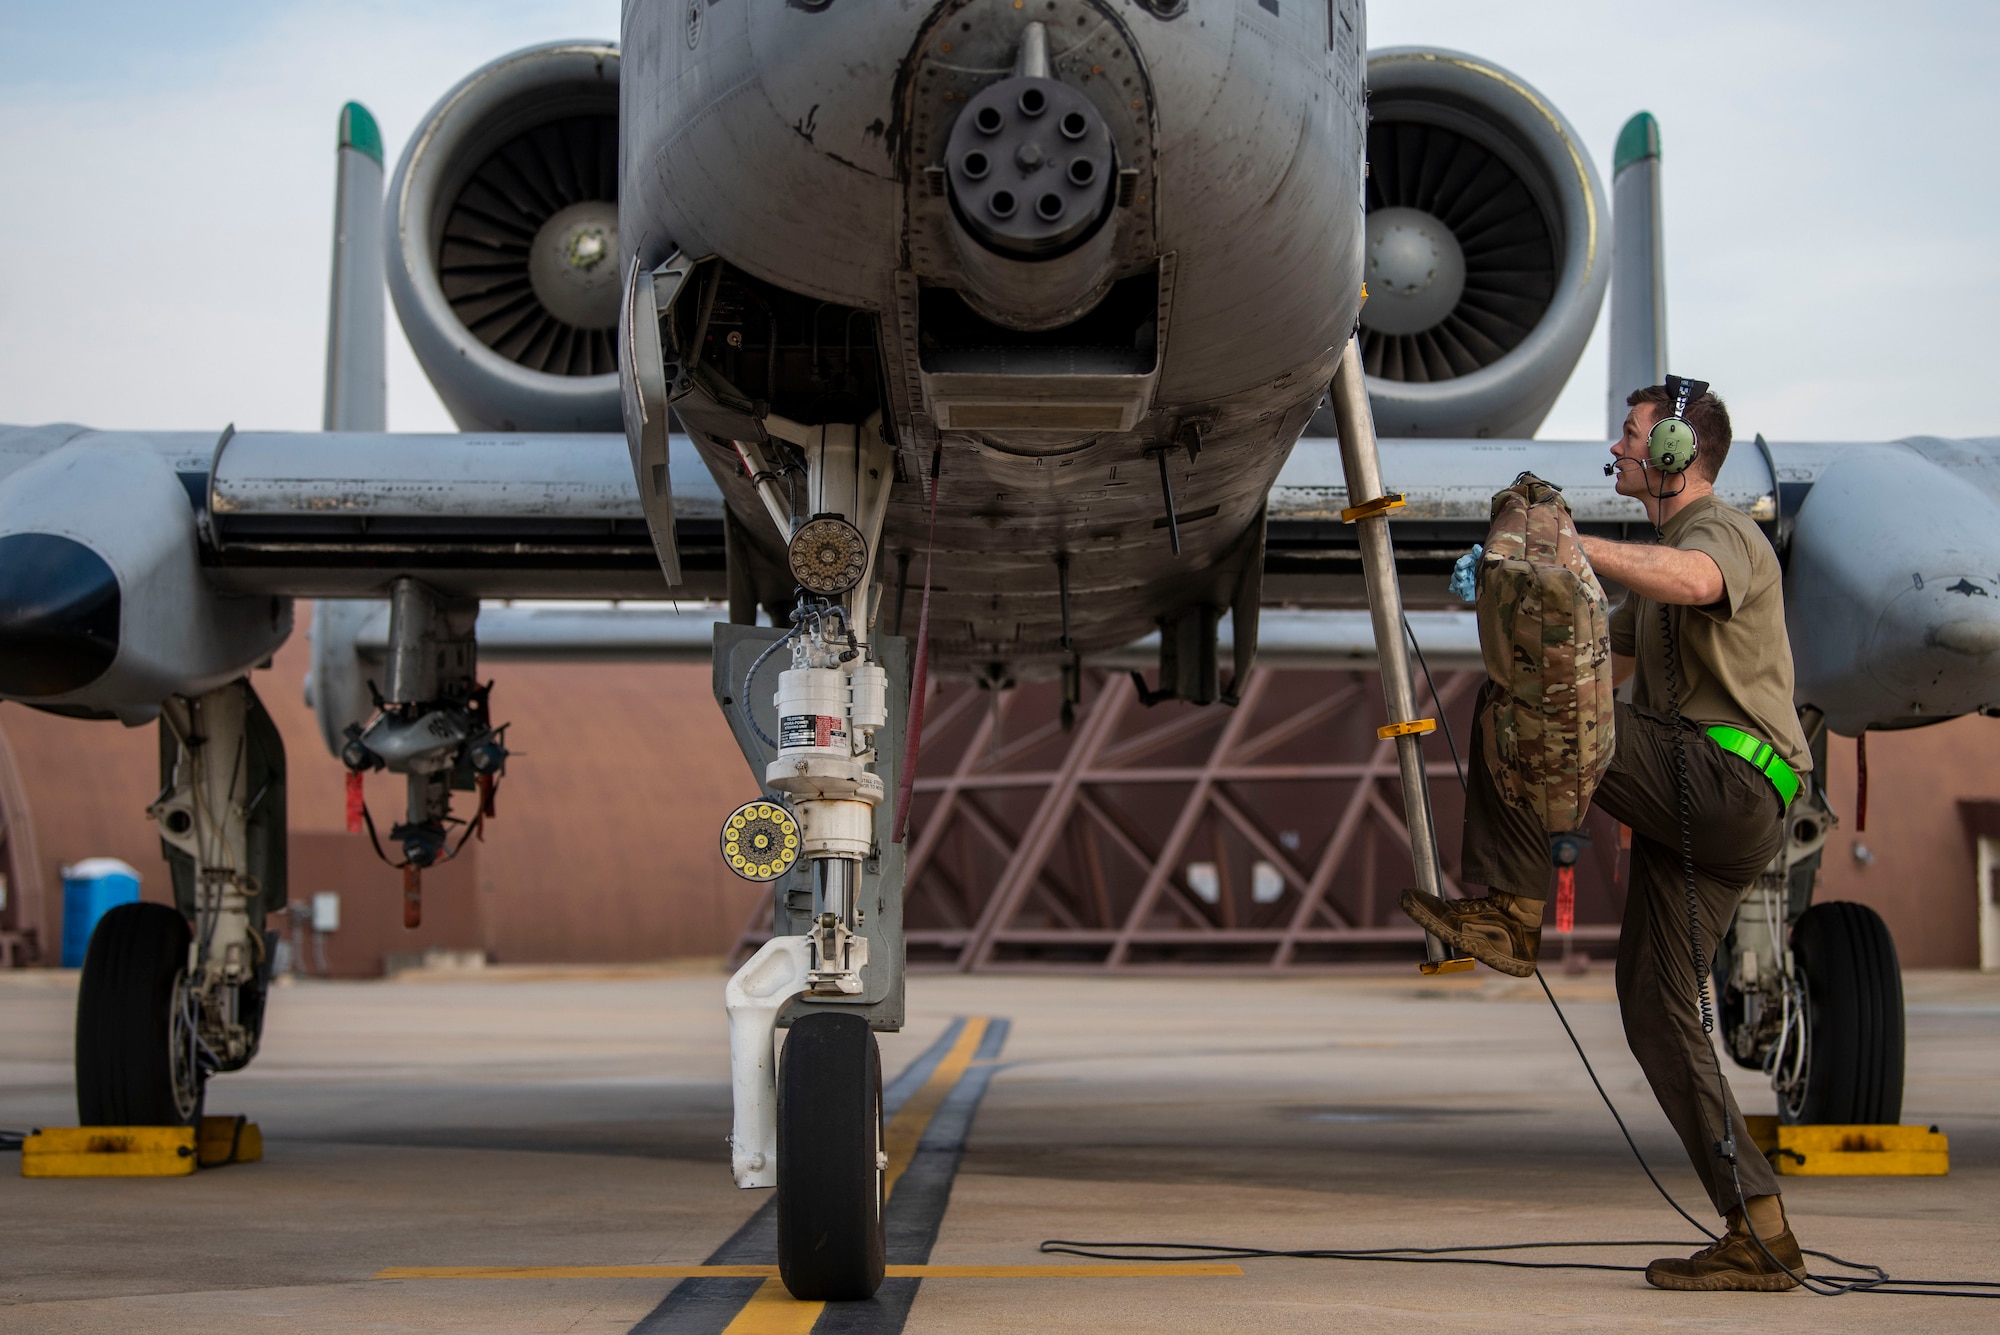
(1736, 824)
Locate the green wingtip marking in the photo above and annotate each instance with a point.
(1639, 140)
(359, 131)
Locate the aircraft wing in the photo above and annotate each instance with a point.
(1890, 622)
(544, 515)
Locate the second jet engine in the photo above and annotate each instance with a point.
(1488, 247)
(502, 228)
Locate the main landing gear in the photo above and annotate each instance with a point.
(172, 995)
(1811, 993)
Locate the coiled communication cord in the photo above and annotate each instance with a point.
(1876, 1279)
(1725, 1148)
(1670, 654)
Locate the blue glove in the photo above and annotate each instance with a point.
(1462, 573)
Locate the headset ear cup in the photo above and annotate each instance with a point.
(1671, 445)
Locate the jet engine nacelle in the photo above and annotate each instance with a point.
(502, 230)
(1896, 622)
(103, 606)
(1488, 248)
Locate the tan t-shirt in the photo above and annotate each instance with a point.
(1735, 657)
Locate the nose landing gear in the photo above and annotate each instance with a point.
(809, 1119)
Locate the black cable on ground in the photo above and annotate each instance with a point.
(1195, 1251)
(1880, 1282)
(1833, 1286)
(1630, 1144)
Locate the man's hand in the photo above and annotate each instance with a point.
(1664, 574)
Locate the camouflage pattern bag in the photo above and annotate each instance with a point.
(1545, 631)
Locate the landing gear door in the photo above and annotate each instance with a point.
(642, 382)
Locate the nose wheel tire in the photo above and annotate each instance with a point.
(1854, 1019)
(136, 1059)
(831, 1164)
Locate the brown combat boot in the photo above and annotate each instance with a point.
(1734, 1262)
(1502, 931)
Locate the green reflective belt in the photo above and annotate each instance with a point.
(1759, 753)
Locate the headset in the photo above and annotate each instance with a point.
(1672, 444)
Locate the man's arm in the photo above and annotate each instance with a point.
(1663, 574)
(1621, 668)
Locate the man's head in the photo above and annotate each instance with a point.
(1707, 415)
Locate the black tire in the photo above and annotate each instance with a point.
(831, 1243)
(124, 1020)
(1854, 1016)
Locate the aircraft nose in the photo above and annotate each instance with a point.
(59, 604)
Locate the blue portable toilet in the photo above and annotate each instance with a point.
(91, 888)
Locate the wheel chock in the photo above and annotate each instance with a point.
(227, 1140)
(109, 1151)
(140, 1151)
(1851, 1151)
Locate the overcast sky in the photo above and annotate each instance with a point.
(166, 193)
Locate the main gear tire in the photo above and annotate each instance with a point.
(1854, 1018)
(831, 1178)
(136, 1063)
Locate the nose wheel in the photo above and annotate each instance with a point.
(832, 1176)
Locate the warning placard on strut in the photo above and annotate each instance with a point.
(811, 730)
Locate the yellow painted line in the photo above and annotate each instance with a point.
(1114, 1270)
(1128, 1270)
(907, 1128)
(773, 1311)
(577, 1272)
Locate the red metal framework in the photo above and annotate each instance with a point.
(1264, 837)
(1260, 838)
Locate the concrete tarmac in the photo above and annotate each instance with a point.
(544, 1118)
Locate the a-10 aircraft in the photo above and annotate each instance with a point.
(976, 339)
